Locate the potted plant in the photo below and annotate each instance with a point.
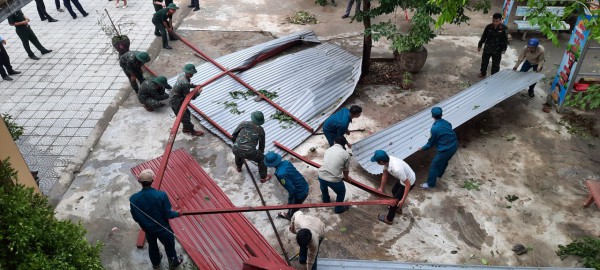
(119, 41)
(407, 80)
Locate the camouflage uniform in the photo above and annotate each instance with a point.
(131, 65)
(246, 136)
(180, 89)
(496, 42)
(151, 94)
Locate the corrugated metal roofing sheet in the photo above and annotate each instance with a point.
(311, 85)
(335, 264)
(404, 138)
(219, 241)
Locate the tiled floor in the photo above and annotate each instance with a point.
(60, 98)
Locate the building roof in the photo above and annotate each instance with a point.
(404, 138)
(311, 83)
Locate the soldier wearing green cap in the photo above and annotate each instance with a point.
(152, 92)
(132, 62)
(162, 25)
(245, 138)
(181, 88)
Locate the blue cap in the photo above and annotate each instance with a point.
(436, 112)
(380, 155)
(534, 42)
(272, 159)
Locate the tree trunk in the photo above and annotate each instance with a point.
(367, 40)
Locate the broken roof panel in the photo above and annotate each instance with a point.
(405, 138)
(338, 264)
(311, 84)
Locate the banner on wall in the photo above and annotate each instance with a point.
(565, 73)
(506, 8)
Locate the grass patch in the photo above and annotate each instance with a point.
(302, 17)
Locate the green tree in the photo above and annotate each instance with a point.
(32, 238)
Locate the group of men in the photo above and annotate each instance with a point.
(152, 92)
(41, 8)
(495, 38)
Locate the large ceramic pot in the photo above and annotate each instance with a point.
(411, 61)
(121, 44)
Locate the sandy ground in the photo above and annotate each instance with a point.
(512, 149)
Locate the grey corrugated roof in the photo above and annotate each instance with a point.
(337, 264)
(404, 138)
(311, 84)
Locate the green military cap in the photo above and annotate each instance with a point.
(257, 117)
(189, 69)
(144, 57)
(172, 6)
(162, 80)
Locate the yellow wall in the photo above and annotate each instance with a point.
(9, 149)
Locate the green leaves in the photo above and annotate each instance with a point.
(587, 100)
(32, 238)
(14, 129)
(586, 248)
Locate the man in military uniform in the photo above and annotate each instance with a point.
(152, 92)
(21, 24)
(495, 37)
(245, 138)
(158, 5)
(180, 90)
(132, 62)
(162, 25)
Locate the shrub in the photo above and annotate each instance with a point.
(32, 238)
(13, 128)
(588, 249)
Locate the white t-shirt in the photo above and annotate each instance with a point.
(400, 169)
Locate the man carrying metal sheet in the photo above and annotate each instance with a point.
(246, 137)
(180, 90)
(310, 232)
(495, 37)
(444, 140)
(151, 209)
(393, 166)
(152, 92)
(290, 179)
(335, 169)
(535, 57)
(132, 62)
(337, 124)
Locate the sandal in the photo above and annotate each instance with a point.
(383, 219)
(239, 169)
(263, 180)
(176, 263)
(283, 215)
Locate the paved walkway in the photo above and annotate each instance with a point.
(60, 98)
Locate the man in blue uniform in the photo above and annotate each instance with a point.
(290, 179)
(337, 124)
(444, 140)
(151, 209)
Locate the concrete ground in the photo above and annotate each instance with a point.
(512, 149)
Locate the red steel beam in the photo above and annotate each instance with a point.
(165, 158)
(235, 77)
(284, 207)
(316, 165)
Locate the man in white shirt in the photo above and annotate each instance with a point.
(309, 232)
(333, 172)
(406, 178)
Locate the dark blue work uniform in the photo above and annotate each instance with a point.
(336, 125)
(151, 209)
(293, 182)
(444, 139)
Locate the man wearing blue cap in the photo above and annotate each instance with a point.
(406, 178)
(333, 172)
(246, 137)
(337, 124)
(444, 140)
(534, 56)
(290, 179)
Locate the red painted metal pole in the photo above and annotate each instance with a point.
(165, 158)
(186, 42)
(283, 207)
(314, 164)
